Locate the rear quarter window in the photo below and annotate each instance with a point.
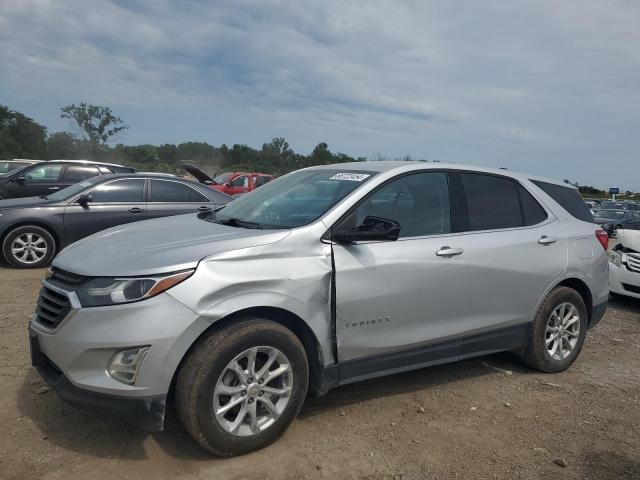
(568, 198)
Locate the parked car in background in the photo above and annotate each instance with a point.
(624, 264)
(33, 229)
(323, 277)
(45, 177)
(8, 166)
(612, 220)
(231, 183)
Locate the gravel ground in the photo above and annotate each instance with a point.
(483, 418)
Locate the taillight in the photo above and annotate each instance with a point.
(603, 238)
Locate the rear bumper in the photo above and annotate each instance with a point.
(146, 412)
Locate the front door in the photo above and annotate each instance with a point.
(41, 179)
(110, 204)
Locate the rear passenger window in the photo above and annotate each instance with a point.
(568, 198)
(531, 209)
(491, 203)
(174, 192)
(78, 173)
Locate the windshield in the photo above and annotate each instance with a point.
(222, 178)
(296, 199)
(610, 214)
(73, 190)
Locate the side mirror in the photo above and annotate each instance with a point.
(227, 184)
(372, 228)
(85, 199)
(21, 179)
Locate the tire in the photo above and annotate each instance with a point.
(536, 355)
(42, 245)
(207, 367)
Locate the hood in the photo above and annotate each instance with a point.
(199, 174)
(629, 238)
(24, 202)
(157, 246)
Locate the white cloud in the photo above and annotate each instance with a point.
(526, 82)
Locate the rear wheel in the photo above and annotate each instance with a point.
(242, 386)
(29, 247)
(558, 331)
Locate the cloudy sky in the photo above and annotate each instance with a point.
(546, 86)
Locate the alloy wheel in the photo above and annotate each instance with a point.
(252, 391)
(29, 248)
(562, 331)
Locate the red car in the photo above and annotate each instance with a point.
(231, 183)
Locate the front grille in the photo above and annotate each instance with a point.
(52, 307)
(633, 262)
(631, 288)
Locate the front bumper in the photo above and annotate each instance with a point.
(146, 412)
(623, 281)
(74, 356)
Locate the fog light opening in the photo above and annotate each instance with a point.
(125, 364)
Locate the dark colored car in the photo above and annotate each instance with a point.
(43, 178)
(33, 230)
(612, 220)
(9, 166)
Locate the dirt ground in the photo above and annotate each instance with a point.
(484, 418)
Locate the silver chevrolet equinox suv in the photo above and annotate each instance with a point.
(325, 276)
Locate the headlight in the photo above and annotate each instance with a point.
(112, 291)
(616, 257)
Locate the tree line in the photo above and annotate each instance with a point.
(95, 128)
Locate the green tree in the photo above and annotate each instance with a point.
(63, 145)
(94, 124)
(20, 136)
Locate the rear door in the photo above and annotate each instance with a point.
(112, 203)
(169, 197)
(512, 250)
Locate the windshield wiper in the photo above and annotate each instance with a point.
(44, 197)
(234, 222)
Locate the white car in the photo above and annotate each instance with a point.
(624, 264)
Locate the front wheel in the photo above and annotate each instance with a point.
(242, 386)
(29, 247)
(558, 331)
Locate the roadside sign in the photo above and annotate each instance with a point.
(614, 191)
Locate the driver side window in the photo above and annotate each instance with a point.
(44, 174)
(418, 202)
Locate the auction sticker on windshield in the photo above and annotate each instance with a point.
(352, 177)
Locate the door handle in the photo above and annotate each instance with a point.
(544, 240)
(53, 188)
(136, 210)
(449, 252)
(204, 208)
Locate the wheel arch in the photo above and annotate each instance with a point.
(583, 290)
(285, 318)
